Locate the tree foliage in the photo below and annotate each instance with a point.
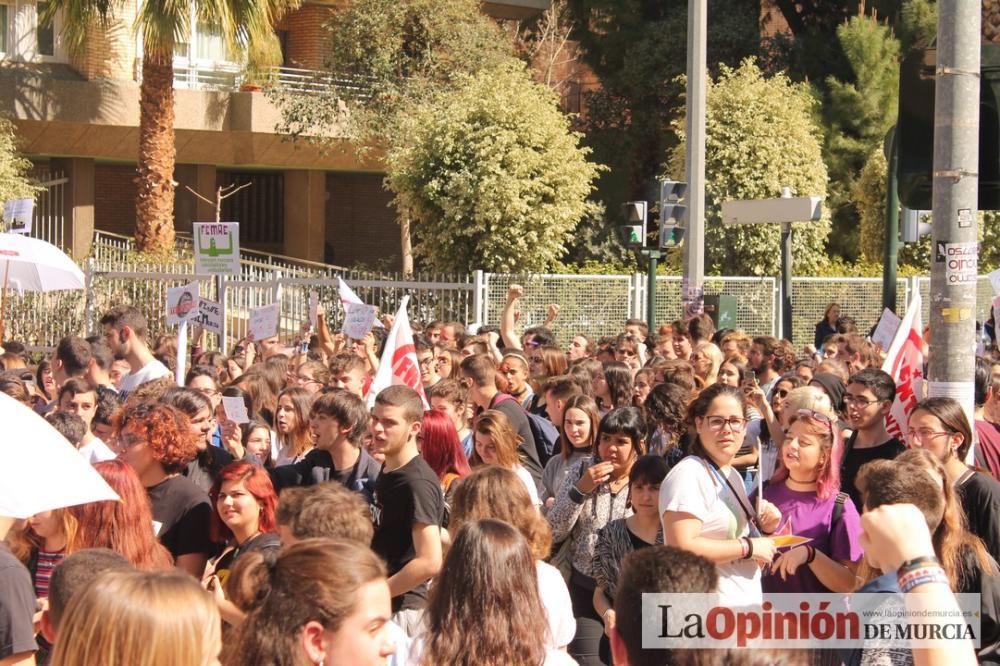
(491, 174)
(14, 180)
(869, 198)
(761, 136)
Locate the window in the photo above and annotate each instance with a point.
(45, 34)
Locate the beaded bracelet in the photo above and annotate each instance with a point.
(935, 577)
(918, 573)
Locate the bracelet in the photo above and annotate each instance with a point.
(812, 554)
(918, 563)
(743, 548)
(918, 573)
(934, 577)
(747, 548)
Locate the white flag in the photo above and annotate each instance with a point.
(398, 364)
(905, 364)
(349, 298)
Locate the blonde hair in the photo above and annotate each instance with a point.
(714, 354)
(495, 425)
(133, 618)
(24, 542)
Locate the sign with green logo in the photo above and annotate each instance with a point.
(217, 248)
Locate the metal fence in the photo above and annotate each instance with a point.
(859, 298)
(984, 297)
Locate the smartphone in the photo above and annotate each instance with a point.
(752, 377)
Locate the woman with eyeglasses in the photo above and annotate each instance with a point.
(704, 506)
(939, 425)
(806, 489)
(312, 376)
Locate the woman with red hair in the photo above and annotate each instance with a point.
(245, 504)
(441, 448)
(123, 526)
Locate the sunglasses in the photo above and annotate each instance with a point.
(816, 416)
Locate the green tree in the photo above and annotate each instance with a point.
(491, 174)
(14, 180)
(869, 198)
(760, 136)
(247, 27)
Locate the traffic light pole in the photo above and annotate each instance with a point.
(890, 259)
(654, 256)
(697, 73)
(954, 260)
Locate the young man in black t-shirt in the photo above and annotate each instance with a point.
(869, 397)
(339, 421)
(408, 507)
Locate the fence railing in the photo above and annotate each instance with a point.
(228, 76)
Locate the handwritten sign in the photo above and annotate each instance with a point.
(264, 322)
(182, 303)
(209, 316)
(217, 248)
(886, 329)
(236, 409)
(18, 214)
(359, 321)
(314, 309)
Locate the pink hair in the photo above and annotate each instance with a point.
(828, 481)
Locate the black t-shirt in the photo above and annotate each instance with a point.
(980, 497)
(17, 606)
(183, 512)
(518, 418)
(266, 543)
(206, 466)
(403, 498)
(855, 458)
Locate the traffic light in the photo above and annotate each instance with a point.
(634, 231)
(911, 228)
(673, 213)
(915, 129)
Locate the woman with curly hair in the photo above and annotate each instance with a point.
(666, 416)
(122, 526)
(616, 389)
(488, 582)
(493, 492)
(157, 442)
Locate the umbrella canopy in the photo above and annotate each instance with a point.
(41, 471)
(29, 264)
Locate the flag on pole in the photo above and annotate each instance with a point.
(905, 364)
(398, 364)
(349, 298)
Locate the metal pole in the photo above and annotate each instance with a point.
(890, 258)
(697, 73)
(654, 255)
(786, 273)
(954, 266)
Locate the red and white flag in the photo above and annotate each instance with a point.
(349, 298)
(398, 364)
(905, 363)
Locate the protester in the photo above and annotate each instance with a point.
(44, 540)
(291, 422)
(578, 430)
(665, 410)
(826, 326)
(496, 443)
(440, 447)
(209, 460)
(707, 359)
(139, 619)
(448, 397)
(324, 511)
(126, 332)
(255, 438)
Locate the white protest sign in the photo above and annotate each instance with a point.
(236, 409)
(313, 309)
(995, 280)
(182, 303)
(209, 315)
(264, 322)
(216, 248)
(359, 320)
(17, 213)
(996, 311)
(886, 329)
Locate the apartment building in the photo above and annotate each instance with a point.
(78, 118)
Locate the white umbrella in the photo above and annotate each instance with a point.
(41, 471)
(30, 264)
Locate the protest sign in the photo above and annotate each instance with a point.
(264, 322)
(236, 409)
(182, 303)
(217, 248)
(18, 215)
(209, 316)
(359, 321)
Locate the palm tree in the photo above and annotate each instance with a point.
(247, 28)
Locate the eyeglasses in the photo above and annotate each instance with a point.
(208, 393)
(717, 423)
(858, 400)
(425, 361)
(922, 434)
(306, 380)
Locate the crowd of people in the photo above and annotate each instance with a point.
(514, 514)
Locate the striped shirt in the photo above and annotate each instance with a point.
(47, 561)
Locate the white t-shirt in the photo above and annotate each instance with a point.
(529, 483)
(96, 451)
(147, 373)
(558, 608)
(692, 488)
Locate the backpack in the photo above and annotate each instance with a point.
(546, 435)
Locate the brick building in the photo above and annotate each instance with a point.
(79, 117)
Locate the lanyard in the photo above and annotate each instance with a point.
(751, 518)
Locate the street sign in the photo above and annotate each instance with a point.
(765, 211)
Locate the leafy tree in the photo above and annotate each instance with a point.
(247, 27)
(14, 180)
(869, 197)
(491, 174)
(760, 136)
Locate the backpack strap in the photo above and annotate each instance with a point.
(838, 508)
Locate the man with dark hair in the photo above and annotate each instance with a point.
(558, 390)
(324, 511)
(102, 425)
(856, 352)
(74, 574)
(101, 358)
(660, 570)
(409, 506)
(425, 358)
(125, 331)
(637, 328)
(78, 396)
(339, 421)
(349, 371)
(450, 332)
(69, 426)
(71, 359)
(869, 397)
(761, 359)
